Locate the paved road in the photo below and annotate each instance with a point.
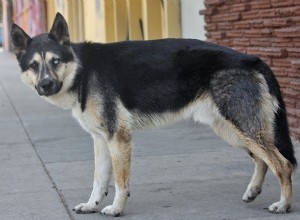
(182, 171)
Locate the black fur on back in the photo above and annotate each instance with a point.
(152, 77)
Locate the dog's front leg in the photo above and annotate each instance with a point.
(120, 150)
(102, 176)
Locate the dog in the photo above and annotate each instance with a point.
(113, 89)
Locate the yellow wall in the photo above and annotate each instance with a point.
(170, 18)
(72, 11)
(152, 19)
(121, 20)
(118, 20)
(99, 20)
(135, 27)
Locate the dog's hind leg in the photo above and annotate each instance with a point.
(255, 185)
(265, 154)
(102, 177)
(280, 166)
(120, 151)
(227, 131)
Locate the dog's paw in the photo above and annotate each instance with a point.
(111, 211)
(280, 207)
(251, 194)
(85, 208)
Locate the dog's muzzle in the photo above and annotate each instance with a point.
(48, 86)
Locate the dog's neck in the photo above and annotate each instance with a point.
(65, 100)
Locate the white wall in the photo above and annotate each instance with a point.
(192, 23)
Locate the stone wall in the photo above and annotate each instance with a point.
(269, 29)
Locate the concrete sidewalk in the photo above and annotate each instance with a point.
(183, 171)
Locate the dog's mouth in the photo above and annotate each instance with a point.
(48, 88)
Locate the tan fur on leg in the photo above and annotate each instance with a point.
(255, 185)
(120, 150)
(281, 167)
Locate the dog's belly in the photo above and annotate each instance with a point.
(203, 110)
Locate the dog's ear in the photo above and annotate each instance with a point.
(19, 39)
(59, 31)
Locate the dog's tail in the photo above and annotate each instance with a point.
(282, 137)
(281, 129)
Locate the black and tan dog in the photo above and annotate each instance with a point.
(115, 88)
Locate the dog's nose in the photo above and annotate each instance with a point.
(46, 84)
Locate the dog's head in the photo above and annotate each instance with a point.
(46, 59)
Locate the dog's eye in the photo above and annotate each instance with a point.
(55, 61)
(34, 65)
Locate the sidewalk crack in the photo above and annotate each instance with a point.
(34, 147)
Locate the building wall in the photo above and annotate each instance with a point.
(117, 20)
(98, 20)
(269, 29)
(110, 20)
(30, 15)
(192, 24)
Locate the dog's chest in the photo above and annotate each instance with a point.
(90, 119)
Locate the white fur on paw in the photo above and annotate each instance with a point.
(111, 211)
(84, 208)
(251, 194)
(280, 207)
